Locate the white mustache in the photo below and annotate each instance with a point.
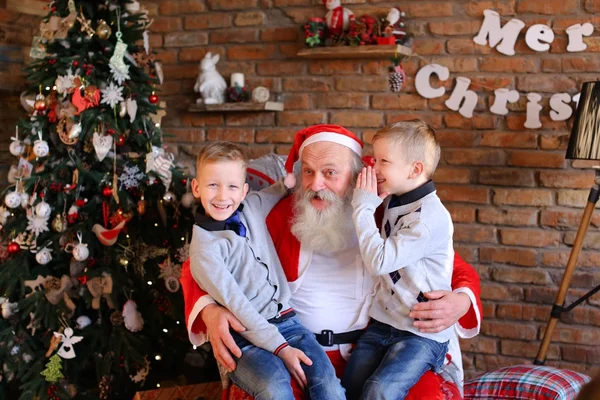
(323, 194)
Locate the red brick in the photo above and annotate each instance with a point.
(181, 7)
(494, 291)
(366, 84)
(273, 84)
(456, 138)
(299, 15)
(461, 213)
(572, 198)
(335, 100)
(243, 135)
(511, 216)
(249, 18)
(307, 84)
(591, 241)
(207, 21)
(525, 349)
(506, 64)
(509, 311)
(520, 275)
(548, 142)
(231, 4)
(466, 194)
(289, 50)
(551, 65)
(566, 218)
(336, 68)
(250, 52)
(545, 83)
(581, 315)
(185, 135)
(428, 10)
(508, 330)
(592, 6)
(432, 119)
(279, 68)
(506, 177)
(529, 237)
(297, 101)
(283, 34)
(428, 46)
(401, 101)
(549, 7)
(275, 135)
(180, 71)
(360, 119)
(202, 119)
(582, 335)
(474, 234)
(250, 119)
(198, 53)
(523, 197)
(572, 179)
(454, 27)
(476, 8)
(301, 118)
(480, 344)
(536, 158)
(452, 175)
(166, 24)
(522, 140)
(508, 255)
(166, 56)
(473, 156)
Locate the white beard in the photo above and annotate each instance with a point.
(327, 230)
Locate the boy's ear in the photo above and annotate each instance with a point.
(417, 169)
(245, 190)
(195, 188)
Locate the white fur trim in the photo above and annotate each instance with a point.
(333, 137)
(467, 333)
(198, 339)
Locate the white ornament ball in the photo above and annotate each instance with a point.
(4, 214)
(260, 94)
(43, 209)
(12, 200)
(16, 148)
(169, 197)
(24, 199)
(187, 200)
(40, 148)
(81, 252)
(83, 321)
(43, 256)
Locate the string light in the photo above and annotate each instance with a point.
(195, 347)
(53, 87)
(158, 385)
(149, 283)
(156, 224)
(177, 322)
(127, 236)
(47, 87)
(158, 357)
(182, 239)
(165, 330)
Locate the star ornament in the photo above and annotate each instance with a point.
(112, 95)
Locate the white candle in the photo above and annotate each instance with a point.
(237, 78)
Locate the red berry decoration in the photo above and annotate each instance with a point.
(107, 191)
(153, 98)
(13, 248)
(75, 63)
(121, 140)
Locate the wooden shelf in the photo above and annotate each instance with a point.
(371, 51)
(248, 106)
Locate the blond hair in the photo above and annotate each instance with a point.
(417, 141)
(218, 152)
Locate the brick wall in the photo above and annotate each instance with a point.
(515, 201)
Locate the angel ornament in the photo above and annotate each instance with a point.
(67, 340)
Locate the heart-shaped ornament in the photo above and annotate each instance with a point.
(102, 145)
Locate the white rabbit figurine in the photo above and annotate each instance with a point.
(210, 84)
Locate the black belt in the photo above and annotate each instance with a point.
(328, 338)
(282, 317)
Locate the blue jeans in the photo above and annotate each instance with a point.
(263, 375)
(387, 362)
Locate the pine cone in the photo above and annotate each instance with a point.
(395, 81)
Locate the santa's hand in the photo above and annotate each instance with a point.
(443, 310)
(292, 357)
(218, 320)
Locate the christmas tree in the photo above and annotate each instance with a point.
(96, 224)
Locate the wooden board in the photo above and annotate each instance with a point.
(233, 107)
(373, 51)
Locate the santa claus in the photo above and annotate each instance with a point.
(331, 290)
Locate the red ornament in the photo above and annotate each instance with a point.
(39, 105)
(110, 131)
(13, 248)
(80, 202)
(140, 131)
(82, 279)
(184, 181)
(75, 63)
(153, 98)
(107, 191)
(121, 140)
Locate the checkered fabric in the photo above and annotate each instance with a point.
(530, 382)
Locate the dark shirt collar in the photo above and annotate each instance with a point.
(209, 223)
(413, 195)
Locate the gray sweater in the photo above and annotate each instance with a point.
(244, 274)
(412, 255)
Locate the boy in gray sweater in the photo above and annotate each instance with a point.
(233, 259)
(413, 255)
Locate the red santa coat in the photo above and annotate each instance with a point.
(288, 250)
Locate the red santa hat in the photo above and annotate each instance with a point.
(320, 133)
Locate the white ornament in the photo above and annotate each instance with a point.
(159, 71)
(561, 109)
(80, 250)
(131, 177)
(131, 108)
(4, 214)
(75, 131)
(43, 209)
(422, 80)
(24, 199)
(131, 317)
(83, 321)
(102, 145)
(119, 75)
(66, 349)
(12, 200)
(160, 162)
(237, 79)
(210, 84)
(122, 109)
(538, 37)
(260, 94)
(16, 148)
(461, 94)
(44, 256)
(501, 97)
(36, 223)
(507, 34)
(187, 200)
(64, 83)
(8, 308)
(533, 111)
(335, 25)
(141, 374)
(112, 95)
(40, 147)
(576, 33)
